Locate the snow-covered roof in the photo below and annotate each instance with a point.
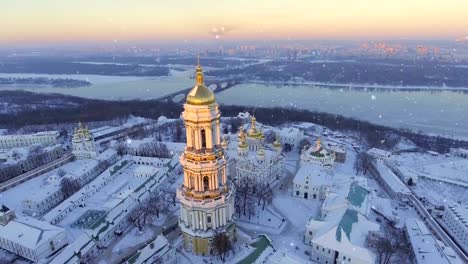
(313, 174)
(461, 211)
(391, 179)
(425, 247)
(106, 154)
(338, 238)
(379, 153)
(29, 232)
(155, 248)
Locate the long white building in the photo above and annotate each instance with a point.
(425, 248)
(44, 138)
(30, 238)
(455, 218)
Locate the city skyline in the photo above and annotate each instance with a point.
(51, 21)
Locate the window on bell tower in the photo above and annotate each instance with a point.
(206, 183)
(203, 138)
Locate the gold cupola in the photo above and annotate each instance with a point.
(200, 94)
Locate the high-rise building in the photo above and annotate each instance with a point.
(206, 196)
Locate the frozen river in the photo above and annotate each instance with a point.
(441, 112)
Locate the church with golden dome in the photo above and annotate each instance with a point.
(252, 158)
(83, 146)
(206, 196)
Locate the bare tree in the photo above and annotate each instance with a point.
(302, 144)
(152, 206)
(121, 148)
(221, 244)
(389, 245)
(15, 154)
(35, 150)
(61, 172)
(138, 216)
(69, 186)
(362, 162)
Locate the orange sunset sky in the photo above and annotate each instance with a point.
(27, 21)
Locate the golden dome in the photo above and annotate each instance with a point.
(200, 94)
(277, 142)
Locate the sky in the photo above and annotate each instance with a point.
(57, 21)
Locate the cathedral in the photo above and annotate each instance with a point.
(252, 158)
(206, 196)
(83, 146)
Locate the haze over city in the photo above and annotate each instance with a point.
(54, 21)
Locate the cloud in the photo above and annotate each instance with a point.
(220, 31)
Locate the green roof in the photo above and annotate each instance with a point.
(260, 245)
(357, 194)
(346, 224)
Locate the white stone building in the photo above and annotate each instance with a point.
(291, 136)
(389, 180)
(425, 247)
(312, 181)
(455, 218)
(83, 146)
(44, 138)
(46, 196)
(31, 238)
(379, 154)
(337, 235)
(206, 196)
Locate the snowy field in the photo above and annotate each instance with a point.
(440, 166)
(440, 193)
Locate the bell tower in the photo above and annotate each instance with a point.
(206, 196)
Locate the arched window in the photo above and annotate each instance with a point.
(203, 138)
(206, 183)
(208, 219)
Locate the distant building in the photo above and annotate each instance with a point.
(455, 218)
(318, 154)
(312, 181)
(44, 138)
(425, 248)
(291, 136)
(379, 154)
(459, 152)
(24, 160)
(83, 143)
(30, 238)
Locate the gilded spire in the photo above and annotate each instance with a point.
(199, 73)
